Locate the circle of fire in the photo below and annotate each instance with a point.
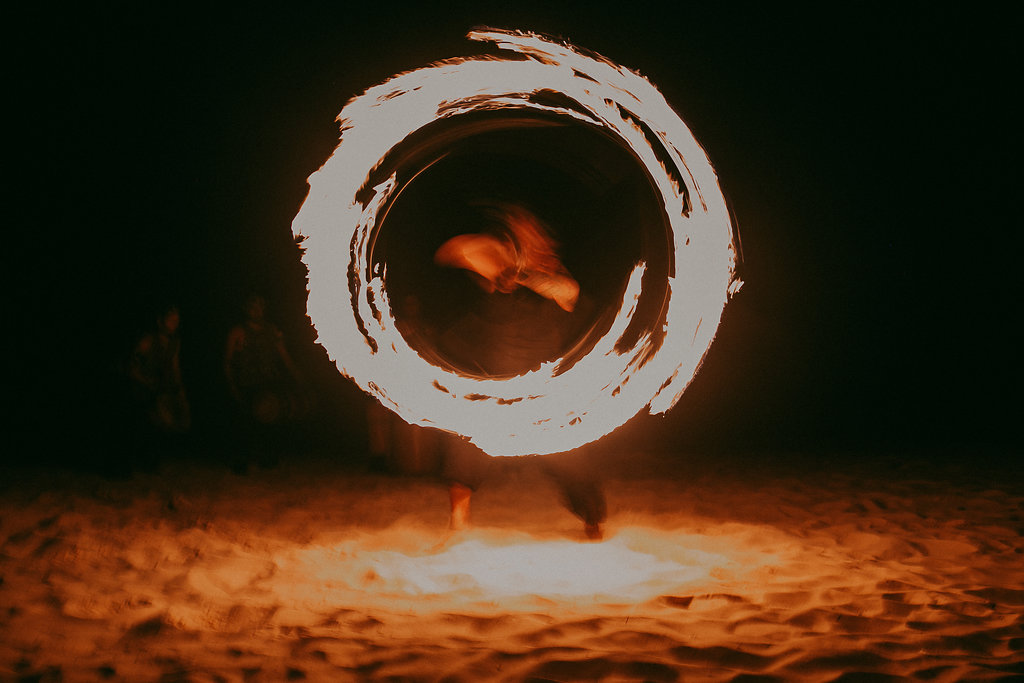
(550, 409)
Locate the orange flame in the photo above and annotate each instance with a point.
(551, 409)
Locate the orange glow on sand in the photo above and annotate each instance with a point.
(317, 573)
(487, 567)
(552, 409)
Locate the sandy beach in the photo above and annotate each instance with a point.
(743, 567)
(837, 495)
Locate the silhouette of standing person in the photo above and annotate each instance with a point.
(262, 379)
(395, 445)
(156, 372)
(157, 387)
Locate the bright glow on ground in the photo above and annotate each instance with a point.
(335, 577)
(485, 566)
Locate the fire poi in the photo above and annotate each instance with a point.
(565, 402)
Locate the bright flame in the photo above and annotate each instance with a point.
(551, 409)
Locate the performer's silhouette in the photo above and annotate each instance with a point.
(516, 328)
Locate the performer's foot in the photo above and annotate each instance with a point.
(459, 496)
(593, 531)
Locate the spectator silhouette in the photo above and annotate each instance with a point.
(263, 382)
(157, 388)
(156, 374)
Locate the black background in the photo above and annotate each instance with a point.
(869, 155)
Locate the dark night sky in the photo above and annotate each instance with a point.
(867, 155)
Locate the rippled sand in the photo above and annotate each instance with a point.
(742, 568)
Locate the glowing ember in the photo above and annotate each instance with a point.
(554, 408)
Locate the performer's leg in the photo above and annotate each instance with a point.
(459, 496)
(465, 468)
(581, 490)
